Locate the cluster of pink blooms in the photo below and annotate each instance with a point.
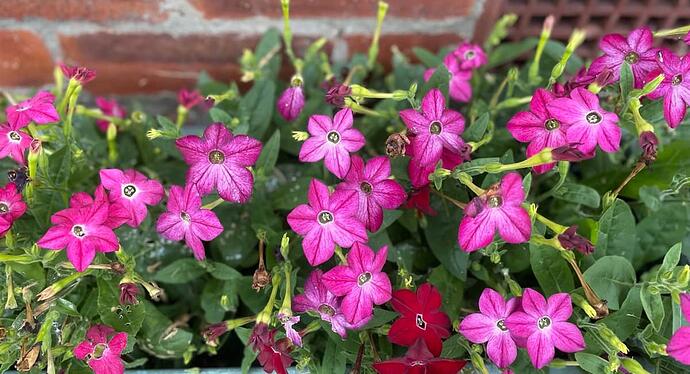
(460, 64)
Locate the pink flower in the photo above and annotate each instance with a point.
(332, 141)
(469, 56)
(419, 171)
(11, 207)
(38, 109)
(291, 102)
(374, 189)
(189, 98)
(118, 215)
(679, 345)
(132, 190)
(459, 86)
(78, 73)
(221, 161)
(545, 325)
(326, 221)
(361, 281)
(14, 143)
(637, 50)
(287, 322)
(675, 88)
(500, 208)
(109, 108)
(489, 326)
(102, 349)
(538, 127)
(587, 123)
(83, 232)
(687, 38)
(186, 219)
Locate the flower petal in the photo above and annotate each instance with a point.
(540, 349)
(492, 304)
(502, 350)
(567, 337)
(477, 328)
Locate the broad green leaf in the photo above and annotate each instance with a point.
(616, 234)
(159, 337)
(441, 233)
(478, 128)
(221, 271)
(427, 58)
(439, 80)
(624, 321)
(219, 115)
(180, 271)
(611, 277)
(269, 154)
(671, 158)
(257, 107)
(626, 81)
(653, 306)
(127, 318)
(333, 360)
(550, 269)
(662, 229)
(451, 288)
(591, 363)
(578, 194)
(670, 260)
(507, 52)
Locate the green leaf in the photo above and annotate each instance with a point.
(616, 234)
(671, 158)
(478, 128)
(611, 277)
(507, 52)
(212, 299)
(550, 269)
(662, 229)
(624, 322)
(381, 317)
(127, 318)
(653, 306)
(671, 259)
(427, 58)
(451, 288)
(441, 233)
(221, 271)
(333, 360)
(269, 154)
(257, 107)
(626, 81)
(219, 115)
(578, 194)
(440, 79)
(591, 363)
(180, 271)
(160, 337)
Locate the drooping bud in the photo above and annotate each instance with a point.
(128, 293)
(189, 98)
(572, 241)
(212, 332)
(569, 152)
(648, 144)
(291, 101)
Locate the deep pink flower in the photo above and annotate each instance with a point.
(500, 208)
(545, 325)
(78, 73)
(272, 355)
(11, 207)
(459, 86)
(110, 108)
(587, 123)
(132, 190)
(221, 161)
(102, 349)
(118, 215)
(38, 109)
(189, 98)
(637, 50)
(332, 141)
(570, 240)
(419, 172)
(374, 189)
(418, 360)
(14, 143)
(361, 281)
(420, 199)
(326, 221)
(186, 219)
(83, 232)
(469, 56)
(687, 38)
(420, 318)
(292, 334)
(675, 88)
(679, 345)
(538, 127)
(128, 293)
(291, 102)
(489, 326)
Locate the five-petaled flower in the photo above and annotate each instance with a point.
(221, 161)
(102, 349)
(133, 191)
(109, 108)
(79, 74)
(327, 220)
(679, 345)
(11, 207)
(14, 143)
(419, 360)
(118, 215)
(637, 50)
(469, 56)
(675, 88)
(272, 355)
(38, 109)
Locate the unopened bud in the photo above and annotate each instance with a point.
(633, 366)
(569, 152)
(138, 117)
(572, 241)
(128, 293)
(684, 276)
(611, 338)
(285, 246)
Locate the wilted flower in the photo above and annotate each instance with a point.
(572, 241)
(189, 98)
(648, 144)
(679, 345)
(675, 88)
(212, 332)
(102, 349)
(569, 152)
(128, 293)
(396, 144)
(38, 109)
(78, 73)
(637, 51)
(418, 359)
(336, 92)
(110, 108)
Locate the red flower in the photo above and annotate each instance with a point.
(273, 356)
(420, 318)
(418, 360)
(420, 199)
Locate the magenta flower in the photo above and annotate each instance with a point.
(221, 161)
(292, 334)
(419, 171)
(459, 87)
(675, 88)
(489, 326)
(687, 38)
(332, 141)
(132, 190)
(38, 109)
(14, 143)
(679, 345)
(326, 221)
(110, 108)
(189, 98)
(374, 189)
(118, 215)
(102, 349)
(11, 207)
(83, 232)
(637, 50)
(545, 325)
(587, 123)
(361, 281)
(291, 102)
(538, 127)
(186, 219)
(500, 208)
(469, 56)
(78, 73)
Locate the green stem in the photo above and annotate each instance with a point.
(555, 227)
(67, 129)
(541, 158)
(97, 114)
(374, 47)
(466, 179)
(265, 315)
(533, 73)
(71, 86)
(181, 116)
(213, 204)
(286, 307)
(287, 32)
(576, 38)
(678, 31)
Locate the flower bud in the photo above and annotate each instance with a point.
(188, 99)
(336, 92)
(648, 144)
(569, 152)
(138, 117)
(128, 293)
(212, 332)
(633, 366)
(611, 338)
(285, 246)
(291, 101)
(572, 241)
(684, 276)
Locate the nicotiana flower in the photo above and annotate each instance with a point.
(460, 87)
(133, 190)
(538, 127)
(83, 232)
(291, 101)
(102, 349)
(38, 109)
(361, 281)
(78, 73)
(500, 208)
(332, 141)
(588, 124)
(418, 360)
(186, 219)
(118, 215)
(326, 221)
(637, 50)
(14, 143)
(288, 321)
(489, 326)
(11, 207)
(469, 56)
(189, 98)
(675, 88)
(110, 108)
(545, 325)
(419, 171)
(679, 345)
(420, 318)
(374, 189)
(221, 161)
(420, 199)
(272, 355)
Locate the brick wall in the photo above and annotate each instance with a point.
(147, 46)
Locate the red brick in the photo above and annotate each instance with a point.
(24, 59)
(89, 10)
(430, 9)
(404, 42)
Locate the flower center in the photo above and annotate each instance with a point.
(551, 124)
(185, 217)
(98, 351)
(366, 187)
(417, 363)
(14, 136)
(501, 324)
(544, 322)
(435, 127)
(78, 231)
(23, 107)
(469, 55)
(495, 201)
(4, 208)
(632, 57)
(364, 278)
(593, 118)
(677, 79)
(129, 190)
(216, 157)
(333, 137)
(421, 323)
(326, 309)
(325, 217)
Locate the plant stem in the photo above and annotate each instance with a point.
(374, 47)
(213, 204)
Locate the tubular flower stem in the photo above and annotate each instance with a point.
(52, 290)
(287, 33)
(286, 307)
(97, 114)
(541, 158)
(357, 108)
(374, 48)
(678, 31)
(533, 73)
(67, 129)
(265, 315)
(576, 38)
